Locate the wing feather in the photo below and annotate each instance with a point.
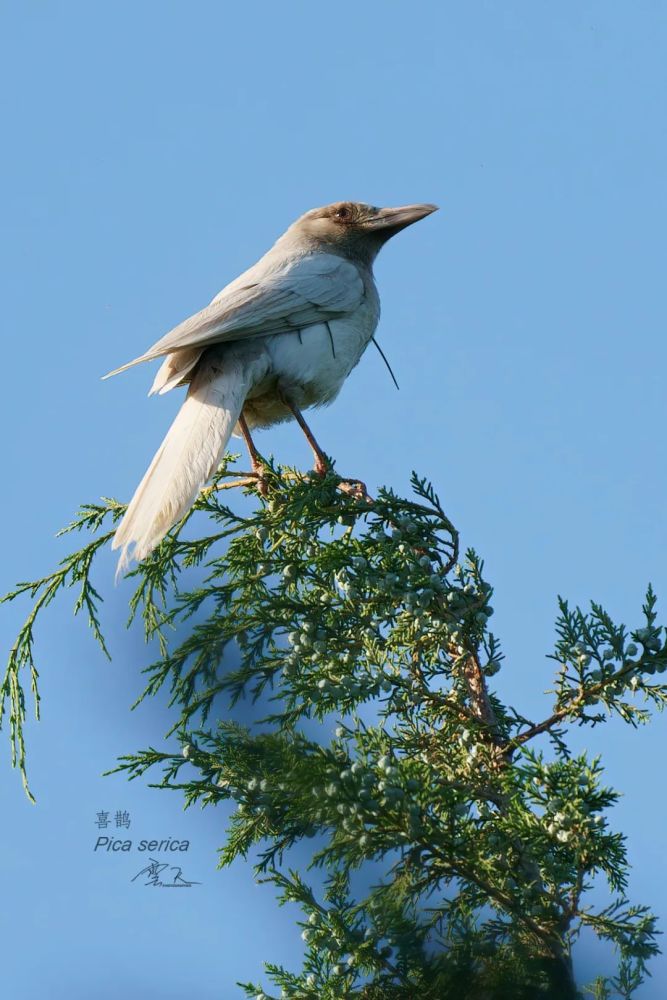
(267, 300)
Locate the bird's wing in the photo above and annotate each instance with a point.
(302, 291)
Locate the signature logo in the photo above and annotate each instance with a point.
(156, 869)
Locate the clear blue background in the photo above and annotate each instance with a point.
(152, 151)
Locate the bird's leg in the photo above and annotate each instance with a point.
(248, 478)
(257, 464)
(250, 444)
(355, 487)
(321, 462)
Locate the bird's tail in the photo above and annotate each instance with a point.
(188, 456)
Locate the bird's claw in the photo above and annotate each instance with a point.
(355, 488)
(321, 467)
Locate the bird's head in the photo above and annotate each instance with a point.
(353, 229)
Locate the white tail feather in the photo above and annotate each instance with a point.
(188, 456)
(174, 369)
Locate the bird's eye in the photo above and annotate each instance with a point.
(344, 213)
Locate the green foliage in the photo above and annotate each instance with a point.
(338, 609)
(73, 571)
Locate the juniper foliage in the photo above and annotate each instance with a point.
(488, 830)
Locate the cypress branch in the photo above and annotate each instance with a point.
(333, 607)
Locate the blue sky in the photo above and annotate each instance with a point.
(151, 152)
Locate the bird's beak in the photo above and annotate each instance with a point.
(392, 220)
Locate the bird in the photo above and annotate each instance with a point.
(280, 338)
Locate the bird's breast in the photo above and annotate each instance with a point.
(310, 365)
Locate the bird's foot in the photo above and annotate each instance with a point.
(355, 488)
(321, 467)
(259, 469)
(261, 481)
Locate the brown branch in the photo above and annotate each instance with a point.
(572, 706)
(482, 708)
(478, 692)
